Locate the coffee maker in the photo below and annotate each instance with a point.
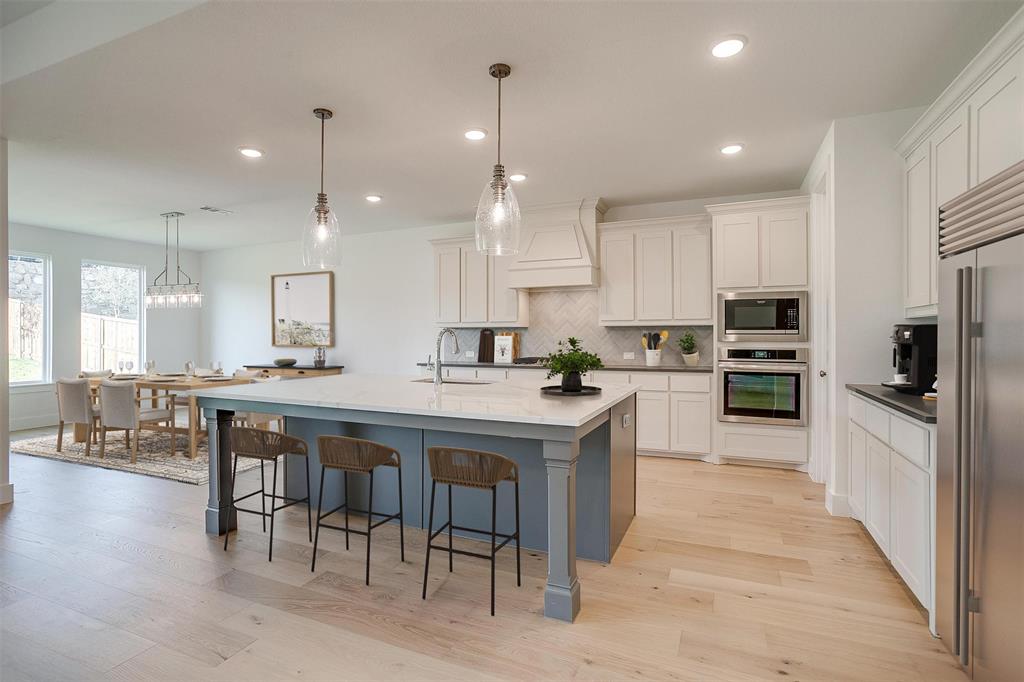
(914, 353)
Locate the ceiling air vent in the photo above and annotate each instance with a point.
(214, 209)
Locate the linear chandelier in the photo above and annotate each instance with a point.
(180, 294)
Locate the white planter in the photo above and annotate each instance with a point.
(653, 357)
(691, 359)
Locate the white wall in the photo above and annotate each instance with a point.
(383, 301)
(6, 487)
(171, 336)
(868, 259)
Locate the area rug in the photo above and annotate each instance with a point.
(154, 457)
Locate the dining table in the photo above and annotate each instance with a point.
(171, 383)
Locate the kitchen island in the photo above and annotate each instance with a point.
(577, 456)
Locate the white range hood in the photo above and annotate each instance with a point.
(558, 246)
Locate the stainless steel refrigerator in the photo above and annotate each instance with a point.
(979, 572)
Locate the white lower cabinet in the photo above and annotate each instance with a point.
(689, 415)
(891, 485)
(877, 516)
(652, 420)
(909, 549)
(858, 470)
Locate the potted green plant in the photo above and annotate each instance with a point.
(570, 361)
(688, 347)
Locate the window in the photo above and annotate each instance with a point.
(28, 314)
(111, 323)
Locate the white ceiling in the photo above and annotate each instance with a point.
(618, 100)
(12, 10)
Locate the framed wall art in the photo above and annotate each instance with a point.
(302, 309)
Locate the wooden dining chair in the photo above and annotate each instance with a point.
(75, 406)
(121, 408)
(258, 420)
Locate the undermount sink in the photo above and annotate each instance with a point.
(430, 380)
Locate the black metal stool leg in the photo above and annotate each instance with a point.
(263, 498)
(494, 521)
(369, 527)
(401, 516)
(273, 505)
(309, 503)
(319, 507)
(344, 475)
(519, 578)
(451, 522)
(231, 504)
(430, 530)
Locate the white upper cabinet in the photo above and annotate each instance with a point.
(471, 289)
(783, 248)
(973, 131)
(736, 251)
(503, 301)
(997, 130)
(656, 271)
(761, 244)
(692, 297)
(618, 285)
(474, 286)
(918, 209)
(654, 274)
(447, 283)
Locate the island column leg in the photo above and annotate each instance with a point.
(562, 593)
(220, 518)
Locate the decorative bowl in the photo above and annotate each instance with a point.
(285, 362)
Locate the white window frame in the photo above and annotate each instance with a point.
(142, 305)
(47, 377)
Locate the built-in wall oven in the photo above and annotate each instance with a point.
(763, 386)
(762, 316)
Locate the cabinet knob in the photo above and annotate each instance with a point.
(822, 373)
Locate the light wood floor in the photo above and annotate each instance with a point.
(730, 573)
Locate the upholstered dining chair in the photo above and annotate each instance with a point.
(121, 408)
(75, 406)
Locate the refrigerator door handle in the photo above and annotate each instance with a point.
(964, 446)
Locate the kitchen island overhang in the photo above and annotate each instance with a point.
(577, 456)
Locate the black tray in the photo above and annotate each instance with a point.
(557, 390)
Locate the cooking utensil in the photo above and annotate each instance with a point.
(643, 341)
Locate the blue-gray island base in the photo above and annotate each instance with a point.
(577, 462)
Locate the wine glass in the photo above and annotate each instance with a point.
(218, 367)
(150, 366)
(120, 366)
(129, 365)
(189, 368)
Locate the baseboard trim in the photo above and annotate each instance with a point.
(836, 505)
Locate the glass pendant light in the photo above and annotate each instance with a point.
(177, 295)
(497, 214)
(321, 235)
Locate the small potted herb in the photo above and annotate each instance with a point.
(688, 347)
(571, 361)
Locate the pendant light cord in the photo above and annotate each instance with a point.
(499, 121)
(321, 156)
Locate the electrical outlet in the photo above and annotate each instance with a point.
(629, 355)
(470, 354)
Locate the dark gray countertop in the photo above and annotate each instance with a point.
(911, 405)
(705, 369)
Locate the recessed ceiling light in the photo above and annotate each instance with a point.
(731, 149)
(517, 177)
(729, 47)
(475, 134)
(250, 152)
(374, 198)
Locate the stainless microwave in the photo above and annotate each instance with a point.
(762, 316)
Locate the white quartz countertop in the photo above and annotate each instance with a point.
(506, 401)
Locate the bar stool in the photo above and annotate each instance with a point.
(470, 469)
(267, 445)
(357, 456)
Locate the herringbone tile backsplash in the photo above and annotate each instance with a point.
(557, 315)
